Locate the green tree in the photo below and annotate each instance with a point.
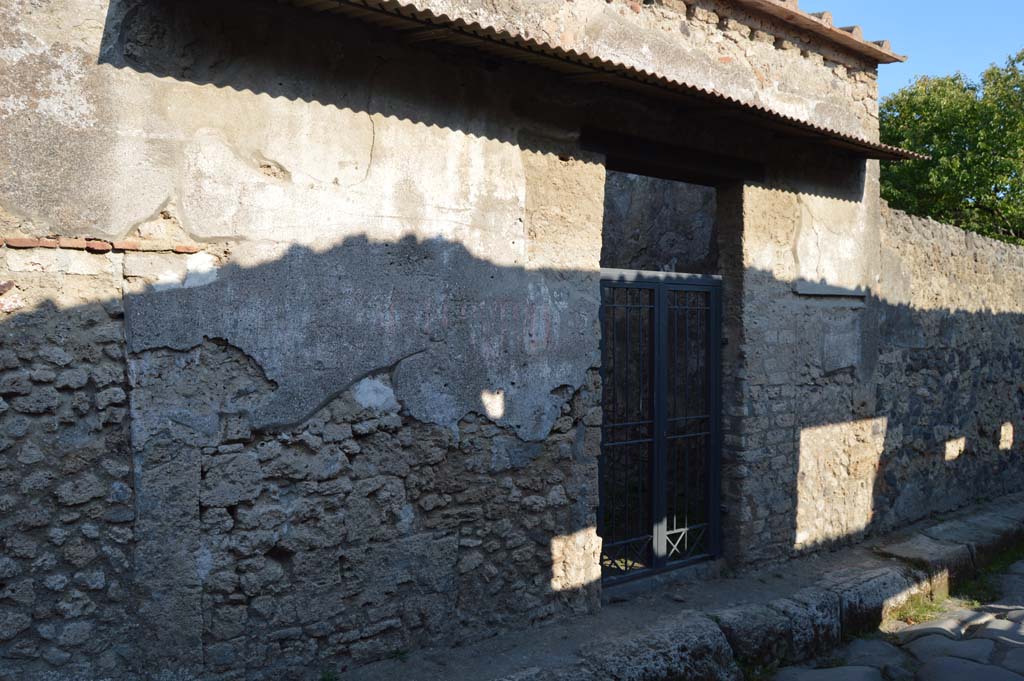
(974, 132)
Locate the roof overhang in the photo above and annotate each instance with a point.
(421, 26)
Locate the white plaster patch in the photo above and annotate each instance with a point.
(830, 248)
(201, 268)
(462, 189)
(372, 393)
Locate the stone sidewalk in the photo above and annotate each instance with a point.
(711, 628)
(984, 643)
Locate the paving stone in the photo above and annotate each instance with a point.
(833, 674)
(1015, 615)
(928, 647)
(898, 674)
(1014, 660)
(949, 627)
(957, 669)
(1011, 587)
(970, 618)
(1003, 631)
(875, 653)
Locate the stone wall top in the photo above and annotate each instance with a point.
(930, 265)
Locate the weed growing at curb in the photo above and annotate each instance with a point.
(919, 608)
(984, 586)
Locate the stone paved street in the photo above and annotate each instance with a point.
(983, 643)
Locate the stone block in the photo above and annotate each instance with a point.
(163, 268)
(866, 596)
(1002, 631)
(80, 490)
(12, 623)
(231, 479)
(942, 560)
(981, 538)
(757, 634)
(815, 621)
(686, 645)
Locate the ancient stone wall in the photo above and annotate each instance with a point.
(950, 376)
(67, 500)
(887, 387)
(358, 534)
(194, 539)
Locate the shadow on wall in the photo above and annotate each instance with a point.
(388, 511)
(317, 58)
(381, 446)
(939, 425)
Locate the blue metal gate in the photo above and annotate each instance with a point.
(659, 467)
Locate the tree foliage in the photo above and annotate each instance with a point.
(974, 132)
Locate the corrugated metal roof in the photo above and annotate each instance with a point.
(421, 25)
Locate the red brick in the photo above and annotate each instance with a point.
(127, 246)
(187, 248)
(97, 246)
(155, 245)
(28, 242)
(68, 242)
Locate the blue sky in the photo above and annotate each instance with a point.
(940, 36)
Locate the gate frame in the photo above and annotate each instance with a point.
(663, 282)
